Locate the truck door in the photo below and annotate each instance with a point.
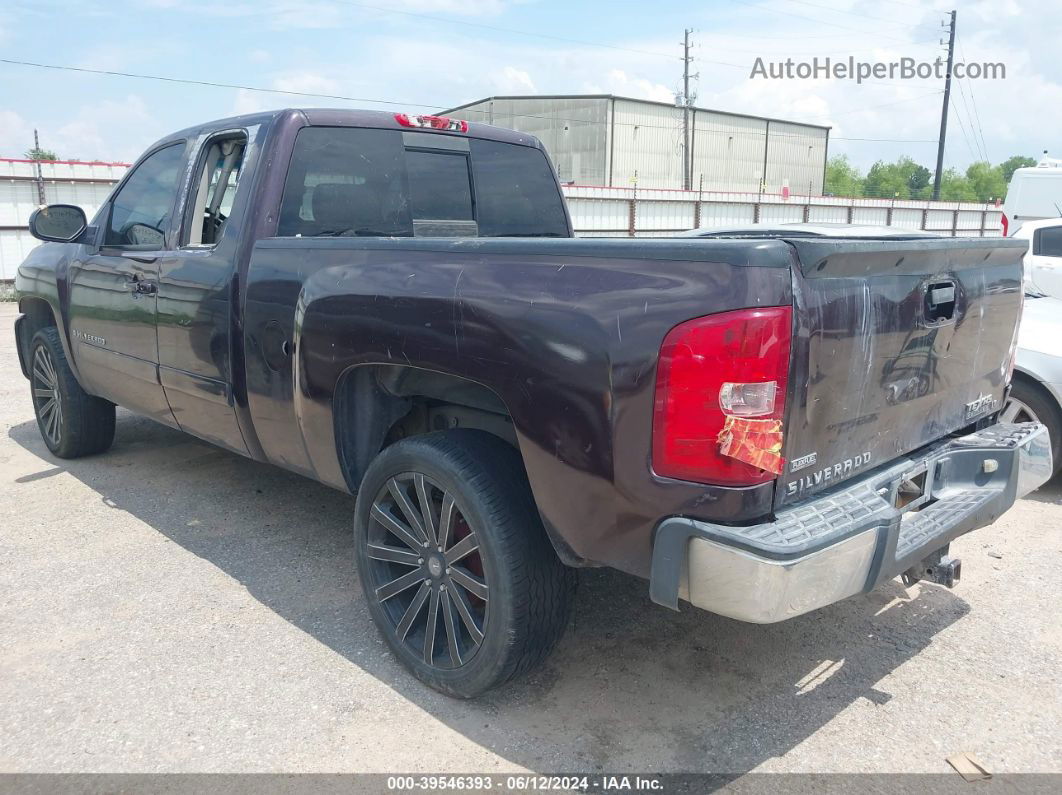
(196, 293)
(113, 289)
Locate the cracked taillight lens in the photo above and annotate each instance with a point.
(732, 363)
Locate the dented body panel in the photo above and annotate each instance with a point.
(883, 368)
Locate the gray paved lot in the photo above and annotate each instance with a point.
(172, 607)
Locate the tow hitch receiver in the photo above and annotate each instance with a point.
(938, 568)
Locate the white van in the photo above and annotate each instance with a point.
(1034, 193)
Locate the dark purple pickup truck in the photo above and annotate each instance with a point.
(395, 306)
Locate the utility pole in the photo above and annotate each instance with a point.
(944, 111)
(40, 174)
(686, 160)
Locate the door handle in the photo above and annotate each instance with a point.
(142, 287)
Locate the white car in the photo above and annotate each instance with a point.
(1036, 391)
(1043, 263)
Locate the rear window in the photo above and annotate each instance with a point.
(515, 192)
(439, 185)
(347, 181)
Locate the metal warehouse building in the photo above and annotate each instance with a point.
(600, 139)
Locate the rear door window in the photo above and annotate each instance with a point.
(346, 181)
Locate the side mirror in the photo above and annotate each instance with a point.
(58, 223)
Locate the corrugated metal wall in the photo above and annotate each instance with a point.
(619, 142)
(84, 184)
(728, 151)
(595, 211)
(628, 212)
(647, 145)
(796, 158)
(574, 131)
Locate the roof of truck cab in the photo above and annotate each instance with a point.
(337, 117)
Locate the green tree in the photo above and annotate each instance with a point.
(986, 181)
(956, 187)
(37, 153)
(1013, 163)
(918, 182)
(903, 179)
(842, 178)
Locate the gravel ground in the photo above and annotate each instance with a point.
(169, 606)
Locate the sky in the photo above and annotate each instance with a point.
(427, 55)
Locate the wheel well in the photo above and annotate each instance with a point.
(1034, 383)
(376, 405)
(36, 314)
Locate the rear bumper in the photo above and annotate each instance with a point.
(851, 539)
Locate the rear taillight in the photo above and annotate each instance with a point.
(1006, 223)
(432, 122)
(734, 364)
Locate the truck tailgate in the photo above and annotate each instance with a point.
(897, 343)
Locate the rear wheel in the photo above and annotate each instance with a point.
(1029, 403)
(72, 422)
(458, 573)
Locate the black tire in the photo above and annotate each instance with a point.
(72, 422)
(523, 609)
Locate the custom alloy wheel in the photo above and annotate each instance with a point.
(47, 401)
(458, 572)
(426, 570)
(72, 422)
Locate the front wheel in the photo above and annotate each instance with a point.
(458, 573)
(72, 422)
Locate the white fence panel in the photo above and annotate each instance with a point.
(827, 214)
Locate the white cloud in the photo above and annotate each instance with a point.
(407, 59)
(16, 134)
(307, 82)
(512, 81)
(457, 7)
(618, 82)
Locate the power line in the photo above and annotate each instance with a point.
(213, 84)
(973, 101)
(813, 19)
(836, 10)
(395, 103)
(954, 109)
(969, 118)
(499, 29)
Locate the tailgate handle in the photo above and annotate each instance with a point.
(940, 302)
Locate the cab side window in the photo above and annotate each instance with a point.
(216, 182)
(1048, 242)
(346, 181)
(142, 208)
